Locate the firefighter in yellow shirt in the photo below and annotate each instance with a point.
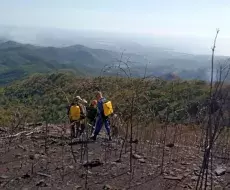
(76, 113)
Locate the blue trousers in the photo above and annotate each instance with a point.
(99, 123)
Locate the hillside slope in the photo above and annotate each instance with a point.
(162, 155)
(45, 95)
(20, 60)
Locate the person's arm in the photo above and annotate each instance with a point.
(82, 111)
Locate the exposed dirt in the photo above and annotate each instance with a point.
(39, 160)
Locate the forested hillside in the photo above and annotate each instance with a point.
(17, 61)
(20, 60)
(45, 96)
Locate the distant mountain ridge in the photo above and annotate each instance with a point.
(20, 60)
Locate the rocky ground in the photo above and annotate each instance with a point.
(44, 158)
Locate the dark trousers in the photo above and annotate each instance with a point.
(92, 123)
(99, 123)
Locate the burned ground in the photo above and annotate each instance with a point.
(43, 158)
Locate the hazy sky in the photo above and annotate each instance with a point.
(197, 18)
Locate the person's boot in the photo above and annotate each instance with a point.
(110, 138)
(93, 137)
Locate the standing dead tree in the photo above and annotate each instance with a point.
(214, 123)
